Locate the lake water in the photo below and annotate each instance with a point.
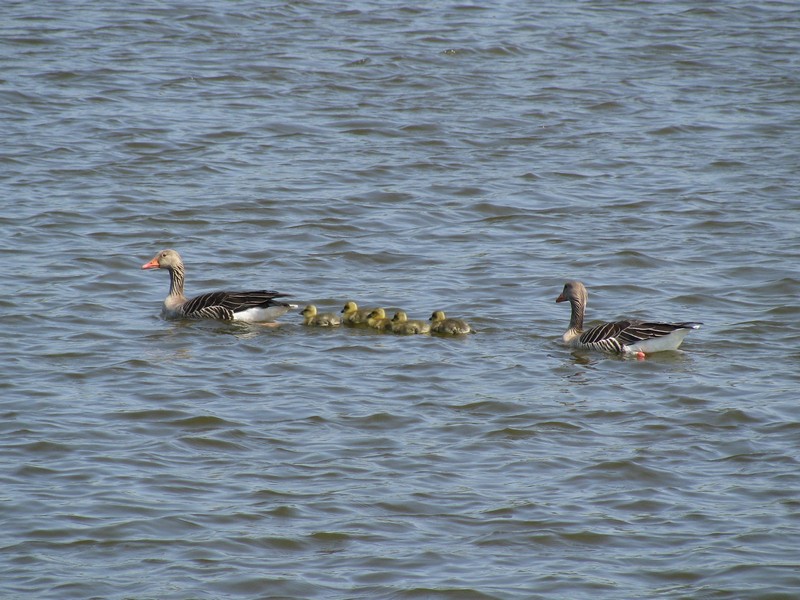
(470, 157)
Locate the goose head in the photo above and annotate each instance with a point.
(574, 291)
(166, 259)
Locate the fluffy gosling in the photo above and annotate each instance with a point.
(354, 315)
(441, 324)
(402, 324)
(312, 318)
(377, 319)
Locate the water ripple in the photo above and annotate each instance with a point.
(471, 159)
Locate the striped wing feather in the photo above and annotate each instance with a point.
(601, 333)
(222, 305)
(614, 336)
(638, 332)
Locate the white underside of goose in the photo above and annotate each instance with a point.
(664, 343)
(256, 315)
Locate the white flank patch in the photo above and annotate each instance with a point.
(257, 315)
(665, 342)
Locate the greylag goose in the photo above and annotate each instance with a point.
(441, 324)
(402, 324)
(623, 337)
(377, 319)
(317, 319)
(354, 315)
(257, 306)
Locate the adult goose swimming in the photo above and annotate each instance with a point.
(253, 307)
(622, 337)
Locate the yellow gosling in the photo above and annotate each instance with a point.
(441, 324)
(352, 315)
(315, 319)
(401, 324)
(377, 319)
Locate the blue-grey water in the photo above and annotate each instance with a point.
(463, 156)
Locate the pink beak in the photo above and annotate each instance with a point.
(153, 264)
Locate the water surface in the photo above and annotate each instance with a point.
(452, 156)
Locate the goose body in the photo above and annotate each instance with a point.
(317, 319)
(352, 315)
(441, 324)
(251, 306)
(402, 324)
(622, 337)
(377, 319)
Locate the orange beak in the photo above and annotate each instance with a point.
(153, 264)
(561, 297)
